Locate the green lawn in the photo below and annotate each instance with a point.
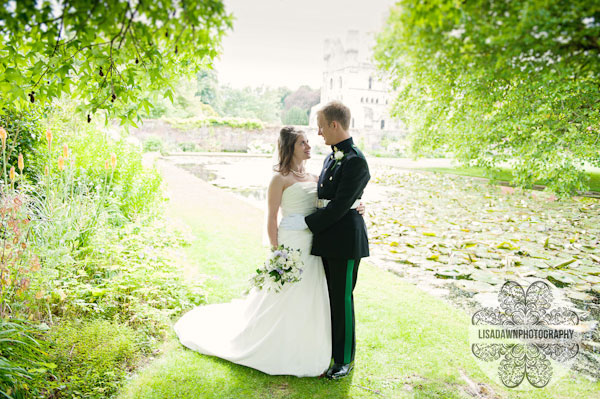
(409, 344)
(503, 174)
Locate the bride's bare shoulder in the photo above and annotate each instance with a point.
(278, 180)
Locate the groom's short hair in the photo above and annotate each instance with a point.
(336, 111)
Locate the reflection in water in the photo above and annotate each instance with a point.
(199, 170)
(253, 193)
(238, 179)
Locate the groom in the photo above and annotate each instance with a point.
(339, 232)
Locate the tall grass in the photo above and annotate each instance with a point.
(84, 248)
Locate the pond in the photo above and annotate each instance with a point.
(458, 238)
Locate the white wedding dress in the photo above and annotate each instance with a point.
(288, 332)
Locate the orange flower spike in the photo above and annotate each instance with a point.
(65, 151)
(35, 263)
(21, 163)
(12, 173)
(49, 137)
(107, 164)
(61, 163)
(3, 136)
(113, 160)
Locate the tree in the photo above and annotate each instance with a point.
(207, 86)
(500, 81)
(295, 116)
(106, 54)
(303, 98)
(260, 103)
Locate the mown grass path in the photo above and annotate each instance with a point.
(409, 344)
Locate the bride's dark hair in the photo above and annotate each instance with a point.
(285, 146)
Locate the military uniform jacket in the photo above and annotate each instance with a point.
(338, 231)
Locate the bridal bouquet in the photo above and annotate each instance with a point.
(284, 266)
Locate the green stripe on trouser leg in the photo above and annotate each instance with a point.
(348, 312)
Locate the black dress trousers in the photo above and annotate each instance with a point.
(341, 278)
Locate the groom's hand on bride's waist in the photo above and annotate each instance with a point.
(293, 222)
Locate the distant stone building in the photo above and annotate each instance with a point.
(351, 77)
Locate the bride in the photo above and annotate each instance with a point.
(288, 332)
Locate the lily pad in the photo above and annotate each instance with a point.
(580, 296)
(452, 274)
(487, 277)
(538, 255)
(475, 286)
(561, 279)
(506, 245)
(582, 287)
(591, 279)
(594, 271)
(563, 264)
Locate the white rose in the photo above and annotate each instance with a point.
(296, 256)
(281, 261)
(338, 155)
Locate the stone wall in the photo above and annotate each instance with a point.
(213, 138)
(224, 138)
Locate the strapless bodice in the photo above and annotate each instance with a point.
(300, 197)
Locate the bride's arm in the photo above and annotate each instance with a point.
(274, 194)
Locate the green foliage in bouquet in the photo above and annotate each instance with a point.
(283, 266)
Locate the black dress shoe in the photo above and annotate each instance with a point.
(339, 370)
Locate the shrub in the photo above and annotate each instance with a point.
(295, 116)
(128, 274)
(187, 147)
(18, 262)
(25, 136)
(129, 186)
(257, 147)
(153, 144)
(85, 240)
(18, 351)
(92, 358)
(198, 122)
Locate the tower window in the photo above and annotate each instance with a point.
(370, 82)
(382, 124)
(331, 83)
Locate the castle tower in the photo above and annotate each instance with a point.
(351, 77)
